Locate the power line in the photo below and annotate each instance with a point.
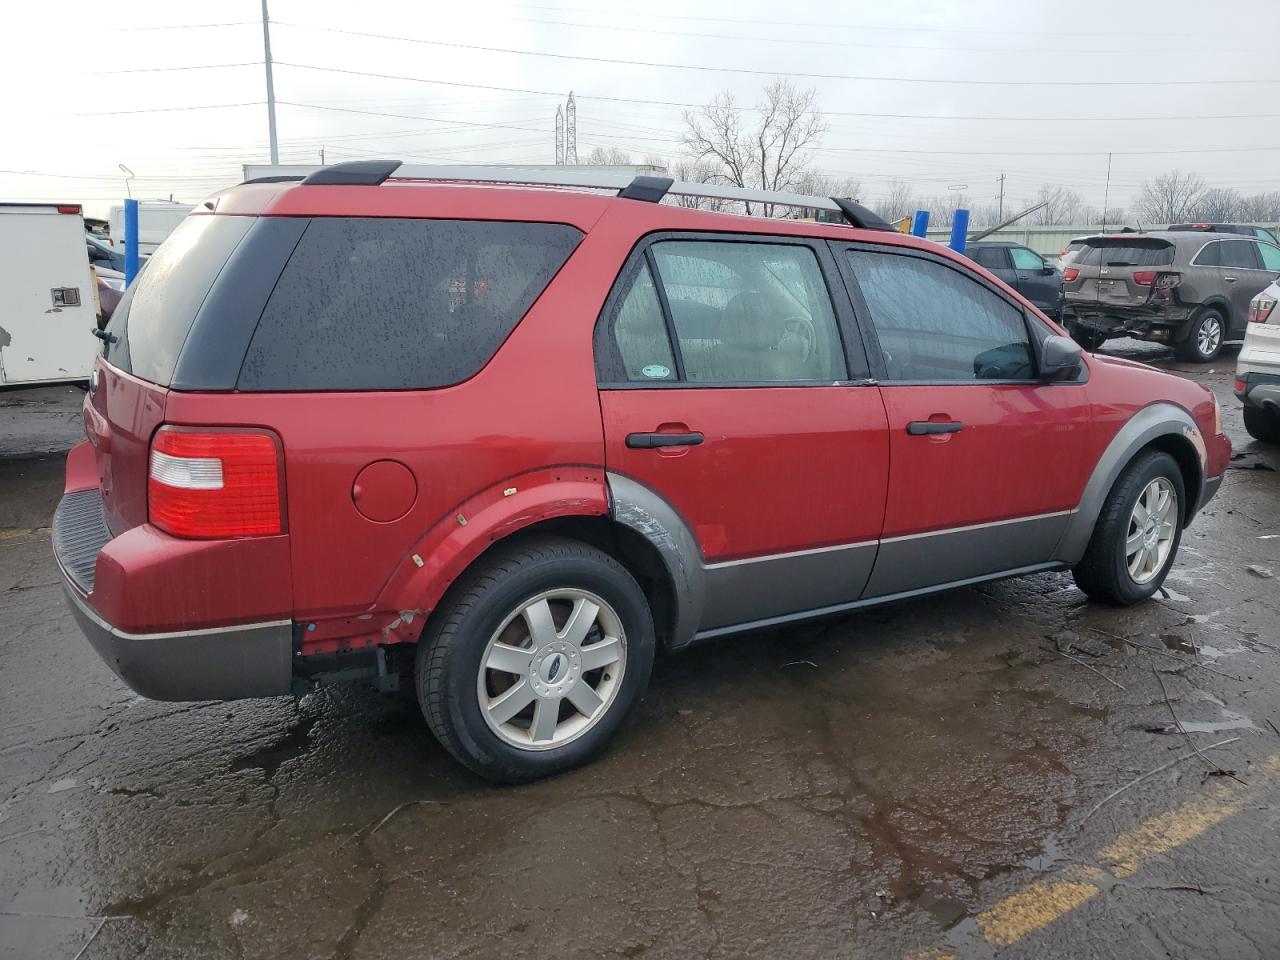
(197, 66)
(184, 26)
(205, 106)
(828, 113)
(707, 68)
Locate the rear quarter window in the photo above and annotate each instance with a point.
(387, 304)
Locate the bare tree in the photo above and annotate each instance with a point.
(1169, 197)
(1061, 205)
(1262, 207)
(609, 157)
(1219, 205)
(771, 151)
(698, 171)
(899, 201)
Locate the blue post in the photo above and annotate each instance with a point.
(959, 230)
(920, 225)
(130, 241)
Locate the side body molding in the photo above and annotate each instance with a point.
(1149, 423)
(636, 506)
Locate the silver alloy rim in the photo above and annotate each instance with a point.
(1208, 337)
(552, 670)
(1152, 526)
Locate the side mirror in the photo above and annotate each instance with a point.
(1048, 271)
(1060, 358)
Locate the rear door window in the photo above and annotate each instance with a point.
(993, 258)
(936, 324)
(394, 304)
(1240, 254)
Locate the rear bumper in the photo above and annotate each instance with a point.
(208, 663)
(1261, 390)
(1118, 321)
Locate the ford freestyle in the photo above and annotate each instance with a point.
(513, 437)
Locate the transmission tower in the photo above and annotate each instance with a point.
(559, 136)
(570, 131)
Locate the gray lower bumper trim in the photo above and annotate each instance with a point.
(228, 663)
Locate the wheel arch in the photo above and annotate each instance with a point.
(1160, 426)
(1214, 302)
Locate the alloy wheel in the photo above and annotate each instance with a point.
(1209, 336)
(552, 669)
(1152, 527)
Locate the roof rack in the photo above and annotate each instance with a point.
(647, 189)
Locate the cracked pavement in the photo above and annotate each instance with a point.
(898, 783)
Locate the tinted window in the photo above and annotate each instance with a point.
(1210, 255)
(640, 332)
(750, 312)
(1024, 259)
(936, 323)
(1270, 257)
(1152, 254)
(1241, 254)
(993, 258)
(385, 304)
(154, 317)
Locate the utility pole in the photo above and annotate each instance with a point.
(571, 131)
(322, 156)
(1106, 196)
(1000, 212)
(271, 90)
(560, 135)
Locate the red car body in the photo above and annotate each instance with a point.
(387, 497)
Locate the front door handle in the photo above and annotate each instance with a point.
(1231, 279)
(919, 428)
(648, 441)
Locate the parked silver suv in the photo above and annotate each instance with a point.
(1185, 288)
(1258, 368)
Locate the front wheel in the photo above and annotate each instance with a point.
(1137, 533)
(1262, 424)
(1204, 338)
(535, 659)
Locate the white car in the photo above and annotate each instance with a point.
(1258, 368)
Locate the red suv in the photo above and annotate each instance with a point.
(515, 437)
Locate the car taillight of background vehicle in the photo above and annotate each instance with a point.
(1144, 278)
(208, 485)
(1260, 309)
(1069, 274)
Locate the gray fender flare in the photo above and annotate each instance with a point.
(636, 506)
(1149, 423)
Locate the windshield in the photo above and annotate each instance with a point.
(1126, 253)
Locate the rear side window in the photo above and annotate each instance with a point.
(395, 304)
(1152, 254)
(993, 258)
(153, 319)
(935, 324)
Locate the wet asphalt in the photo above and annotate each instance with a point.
(948, 778)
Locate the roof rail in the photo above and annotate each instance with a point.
(642, 188)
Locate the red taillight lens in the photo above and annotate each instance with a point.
(1260, 309)
(1144, 278)
(72, 208)
(1070, 274)
(214, 484)
(1241, 385)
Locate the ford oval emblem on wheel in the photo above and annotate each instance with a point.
(554, 669)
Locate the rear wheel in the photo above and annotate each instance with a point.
(1137, 533)
(534, 661)
(1204, 339)
(1262, 424)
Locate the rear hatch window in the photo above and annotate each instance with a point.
(153, 319)
(1126, 253)
(387, 304)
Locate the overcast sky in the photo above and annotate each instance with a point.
(1051, 88)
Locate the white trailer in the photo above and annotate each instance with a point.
(48, 298)
(156, 220)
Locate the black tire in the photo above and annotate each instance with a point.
(1088, 338)
(1103, 572)
(1190, 347)
(449, 656)
(1262, 424)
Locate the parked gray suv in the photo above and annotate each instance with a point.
(1185, 288)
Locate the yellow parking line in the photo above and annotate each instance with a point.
(1128, 853)
(1033, 908)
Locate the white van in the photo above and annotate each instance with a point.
(48, 298)
(156, 220)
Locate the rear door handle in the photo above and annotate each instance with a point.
(919, 428)
(647, 441)
(1231, 279)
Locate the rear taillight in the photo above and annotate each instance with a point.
(1069, 274)
(214, 484)
(71, 208)
(1260, 309)
(1144, 278)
